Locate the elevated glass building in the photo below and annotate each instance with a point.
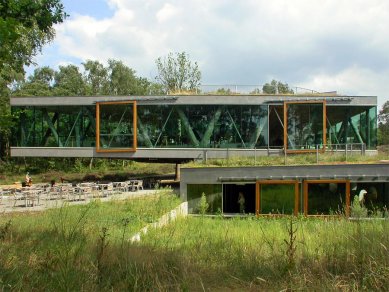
(187, 127)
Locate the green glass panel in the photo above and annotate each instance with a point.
(208, 126)
(352, 125)
(213, 193)
(55, 126)
(277, 199)
(305, 126)
(326, 198)
(116, 126)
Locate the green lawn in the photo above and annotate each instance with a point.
(292, 159)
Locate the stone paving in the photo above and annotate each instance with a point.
(8, 204)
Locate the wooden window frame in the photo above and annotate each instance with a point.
(286, 103)
(326, 181)
(276, 182)
(134, 123)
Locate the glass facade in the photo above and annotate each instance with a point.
(194, 126)
(326, 198)
(61, 126)
(277, 199)
(205, 126)
(116, 126)
(375, 198)
(353, 124)
(213, 193)
(304, 125)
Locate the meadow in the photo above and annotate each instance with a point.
(87, 248)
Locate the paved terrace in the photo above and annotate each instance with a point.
(8, 204)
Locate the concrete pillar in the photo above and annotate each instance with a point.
(178, 172)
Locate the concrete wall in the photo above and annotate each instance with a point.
(193, 99)
(218, 175)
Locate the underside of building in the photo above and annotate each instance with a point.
(179, 128)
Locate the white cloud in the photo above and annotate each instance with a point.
(328, 45)
(167, 12)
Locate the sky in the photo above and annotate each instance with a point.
(324, 45)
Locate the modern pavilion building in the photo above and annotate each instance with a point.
(178, 128)
(187, 127)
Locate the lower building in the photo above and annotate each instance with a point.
(313, 190)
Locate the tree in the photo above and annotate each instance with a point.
(122, 80)
(69, 81)
(277, 87)
(96, 78)
(177, 73)
(383, 125)
(40, 83)
(25, 27)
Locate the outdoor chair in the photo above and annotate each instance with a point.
(107, 190)
(137, 185)
(54, 193)
(18, 196)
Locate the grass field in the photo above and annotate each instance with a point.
(87, 248)
(292, 159)
(66, 249)
(279, 254)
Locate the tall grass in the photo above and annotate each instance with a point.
(73, 247)
(88, 248)
(277, 254)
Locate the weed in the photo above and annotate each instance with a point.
(203, 205)
(5, 230)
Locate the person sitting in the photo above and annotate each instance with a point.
(28, 180)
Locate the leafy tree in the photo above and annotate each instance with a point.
(177, 73)
(96, 78)
(25, 27)
(383, 125)
(40, 83)
(122, 80)
(277, 87)
(69, 81)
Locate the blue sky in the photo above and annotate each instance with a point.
(332, 45)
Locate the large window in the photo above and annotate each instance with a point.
(277, 197)
(116, 126)
(304, 126)
(208, 126)
(352, 125)
(54, 126)
(326, 197)
(213, 194)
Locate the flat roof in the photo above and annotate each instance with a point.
(355, 172)
(194, 99)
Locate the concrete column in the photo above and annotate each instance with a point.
(178, 172)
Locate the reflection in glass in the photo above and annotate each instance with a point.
(375, 198)
(326, 198)
(352, 124)
(277, 198)
(54, 126)
(208, 126)
(116, 126)
(305, 125)
(213, 193)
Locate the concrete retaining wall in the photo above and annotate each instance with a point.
(180, 211)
